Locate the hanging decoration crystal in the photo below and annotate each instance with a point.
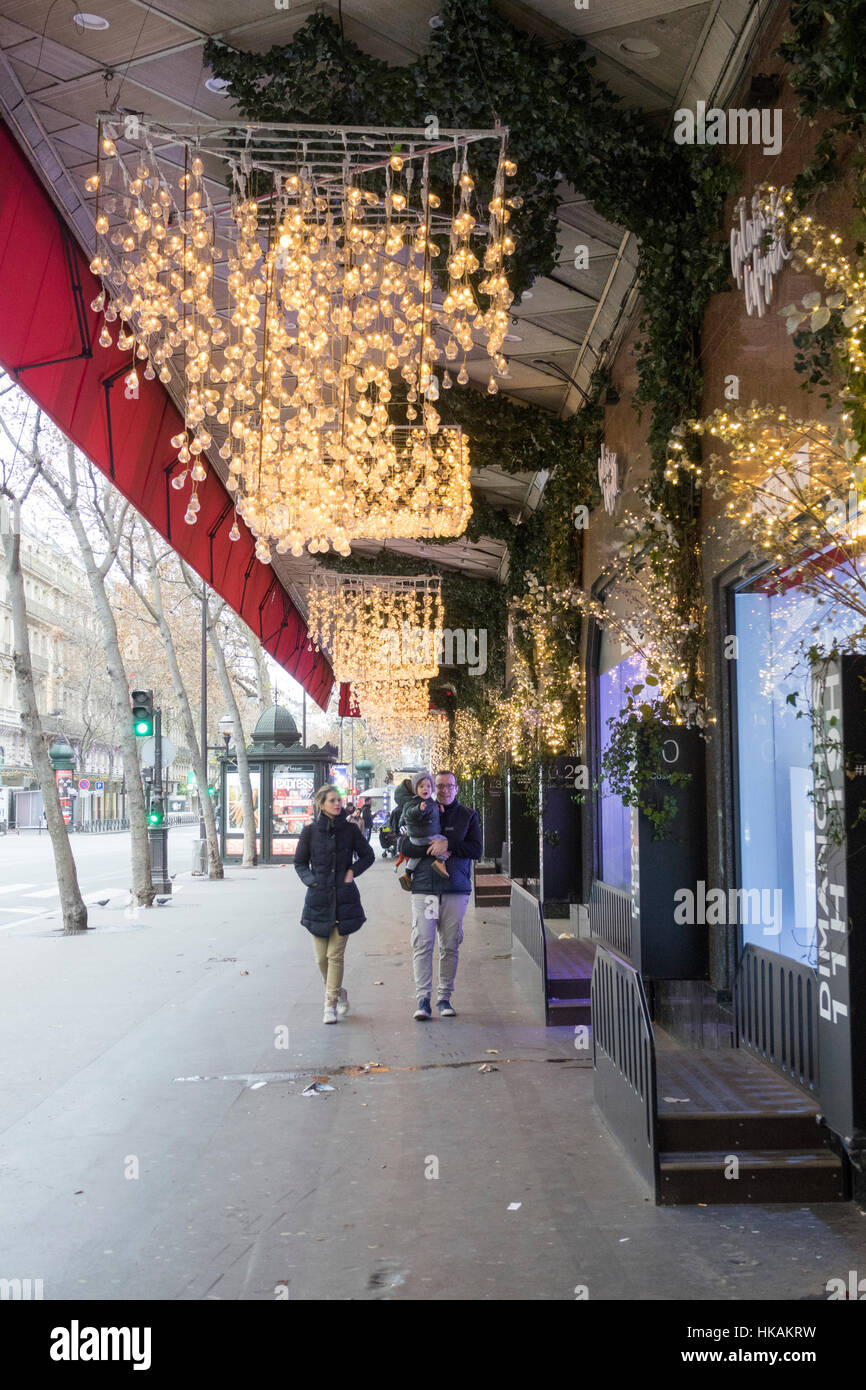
(303, 316)
(383, 636)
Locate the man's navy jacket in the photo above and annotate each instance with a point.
(462, 829)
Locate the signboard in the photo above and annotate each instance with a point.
(83, 784)
(340, 777)
(148, 752)
(291, 805)
(608, 478)
(235, 844)
(758, 249)
(839, 708)
(98, 786)
(235, 819)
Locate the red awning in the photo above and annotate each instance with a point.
(48, 342)
(348, 708)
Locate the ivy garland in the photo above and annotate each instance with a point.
(467, 603)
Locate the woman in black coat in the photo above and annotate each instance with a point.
(331, 853)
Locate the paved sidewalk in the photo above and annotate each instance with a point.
(142, 1157)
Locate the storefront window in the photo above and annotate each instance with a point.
(774, 752)
(615, 817)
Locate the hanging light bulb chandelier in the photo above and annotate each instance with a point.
(291, 313)
(425, 740)
(377, 629)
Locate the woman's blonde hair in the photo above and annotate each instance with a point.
(319, 796)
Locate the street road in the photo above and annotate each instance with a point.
(28, 885)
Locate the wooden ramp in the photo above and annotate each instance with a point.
(491, 888)
(569, 976)
(729, 1129)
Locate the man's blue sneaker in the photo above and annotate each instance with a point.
(446, 1009)
(422, 1013)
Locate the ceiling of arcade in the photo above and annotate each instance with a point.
(655, 54)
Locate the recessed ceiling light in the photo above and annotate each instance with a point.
(89, 21)
(639, 48)
(218, 85)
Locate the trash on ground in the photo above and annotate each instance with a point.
(378, 982)
(493, 1051)
(257, 1085)
(514, 1206)
(678, 1100)
(315, 1088)
(485, 1066)
(245, 972)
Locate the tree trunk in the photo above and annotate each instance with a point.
(263, 680)
(142, 881)
(198, 755)
(72, 904)
(249, 815)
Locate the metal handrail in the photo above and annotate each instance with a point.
(105, 827)
(527, 925)
(776, 1014)
(610, 917)
(624, 1061)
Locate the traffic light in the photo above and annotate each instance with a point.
(142, 713)
(156, 814)
(211, 791)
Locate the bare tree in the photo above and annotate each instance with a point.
(214, 613)
(82, 495)
(263, 679)
(151, 598)
(72, 904)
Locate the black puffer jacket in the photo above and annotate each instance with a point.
(326, 849)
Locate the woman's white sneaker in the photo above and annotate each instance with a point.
(330, 1014)
(342, 1004)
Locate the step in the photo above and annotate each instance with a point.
(765, 1176)
(562, 1011)
(567, 987)
(569, 967)
(704, 1131)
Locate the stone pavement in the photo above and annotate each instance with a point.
(155, 1142)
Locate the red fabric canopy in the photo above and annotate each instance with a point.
(348, 708)
(49, 343)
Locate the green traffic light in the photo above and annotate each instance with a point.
(154, 817)
(143, 727)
